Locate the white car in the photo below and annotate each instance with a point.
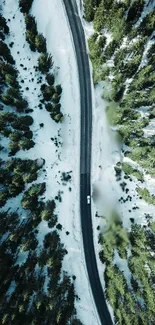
(88, 199)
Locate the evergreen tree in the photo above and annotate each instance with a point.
(135, 11)
(90, 7)
(11, 80)
(99, 17)
(147, 25)
(50, 79)
(26, 144)
(3, 198)
(40, 43)
(21, 104)
(5, 53)
(25, 5)
(56, 98)
(58, 89)
(3, 25)
(45, 62)
(48, 92)
(30, 37)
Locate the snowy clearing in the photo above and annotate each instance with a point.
(52, 22)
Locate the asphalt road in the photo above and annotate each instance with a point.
(85, 159)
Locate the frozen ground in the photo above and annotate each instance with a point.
(52, 22)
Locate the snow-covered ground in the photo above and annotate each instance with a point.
(52, 22)
(123, 266)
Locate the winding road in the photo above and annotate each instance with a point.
(85, 159)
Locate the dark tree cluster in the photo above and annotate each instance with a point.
(45, 63)
(8, 74)
(25, 5)
(9, 87)
(30, 197)
(13, 97)
(5, 53)
(135, 11)
(35, 40)
(14, 174)
(30, 301)
(52, 97)
(17, 129)
(90, 7)
(111, 15)
(51, 94)
(31, 31)
(4, 29)
(151, 55)
(147, 26)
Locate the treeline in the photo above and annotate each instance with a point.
(122, 52)
(118, 59)
(17, 129)
(13, 126)
(51, 93)
(10, 93)
(14, 174)
(25, 5)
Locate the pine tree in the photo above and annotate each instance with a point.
(30, 37)
(135, 11)
(25, 5)
(45, 62)
(50, 79)
(40, 43)
(26, 144)
(5, 53)
(90, 8)
(3, 198)
(99, 17)
(3, 25)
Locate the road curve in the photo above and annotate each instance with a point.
(85, 159)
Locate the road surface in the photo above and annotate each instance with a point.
(85, 159)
